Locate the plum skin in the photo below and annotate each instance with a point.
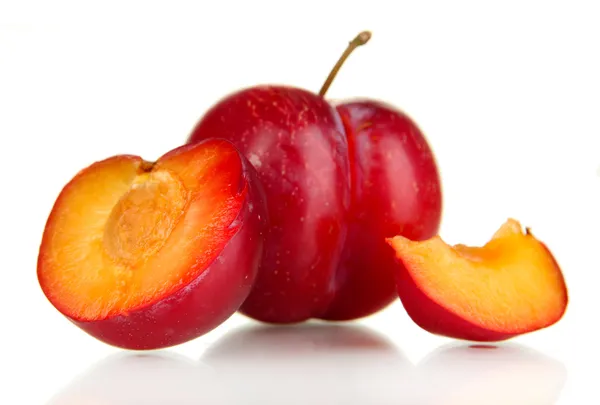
(396, 189)
(295, 139)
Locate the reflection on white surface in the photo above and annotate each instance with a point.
(132, 379)
(309, 364)
(319, 364)
(490, 375)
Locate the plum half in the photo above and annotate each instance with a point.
(147, 255)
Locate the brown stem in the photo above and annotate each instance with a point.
(360, 39)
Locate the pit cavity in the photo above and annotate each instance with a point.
(144, 217)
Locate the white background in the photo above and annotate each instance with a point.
(507, 93)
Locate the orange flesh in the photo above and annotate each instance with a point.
(123, 235)
(511, 283)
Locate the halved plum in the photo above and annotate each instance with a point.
(148, 255)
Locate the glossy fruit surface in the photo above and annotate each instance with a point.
(396, 190)
(295, 140)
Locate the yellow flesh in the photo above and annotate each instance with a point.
(120, 236)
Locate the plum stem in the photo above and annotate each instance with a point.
(359, 40)
(146, 166)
